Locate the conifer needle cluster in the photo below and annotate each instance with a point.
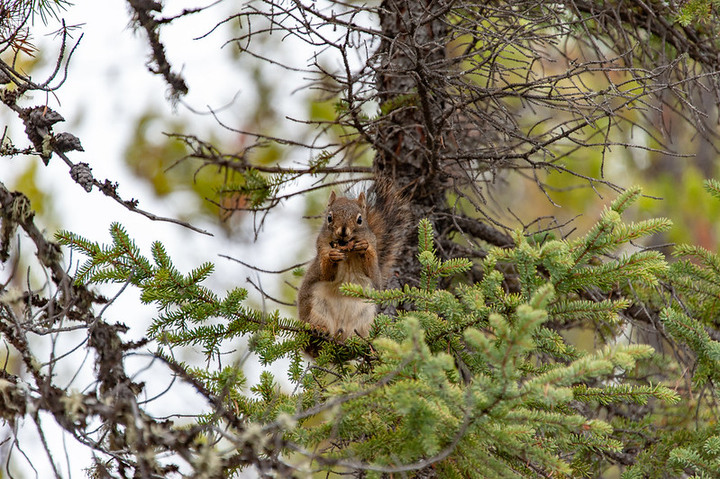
(471, 380)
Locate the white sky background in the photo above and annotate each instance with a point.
(107, 89)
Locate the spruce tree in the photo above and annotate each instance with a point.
(476, 365)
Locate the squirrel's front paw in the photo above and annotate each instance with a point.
(361, 245)
(336, 255)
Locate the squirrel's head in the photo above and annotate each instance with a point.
(345, 217)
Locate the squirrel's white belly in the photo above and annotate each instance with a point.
(343, 314)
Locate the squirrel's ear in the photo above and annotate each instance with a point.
(361, 199)
(332, 197)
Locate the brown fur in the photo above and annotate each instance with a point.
(349, 251)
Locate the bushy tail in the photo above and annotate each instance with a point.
(390, 219)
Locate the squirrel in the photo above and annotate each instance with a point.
(358, 243)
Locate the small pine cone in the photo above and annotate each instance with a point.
(66, 142)
(82, 174)
(42, 116)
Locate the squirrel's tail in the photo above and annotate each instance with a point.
(390, 219)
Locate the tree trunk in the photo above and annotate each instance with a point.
(407, 141)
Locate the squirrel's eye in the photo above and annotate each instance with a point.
(359, 219)
(330, 218)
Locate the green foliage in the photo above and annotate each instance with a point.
(188, 312)
(488, 350)
(688, 204)
(690, 320)
(697, 278)
(689, 315)
(179, 162)
(27, 183)
(256, 187)
(398, 101)
(156, 161)
(703, 461)
(693, 11)
(471, 377)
